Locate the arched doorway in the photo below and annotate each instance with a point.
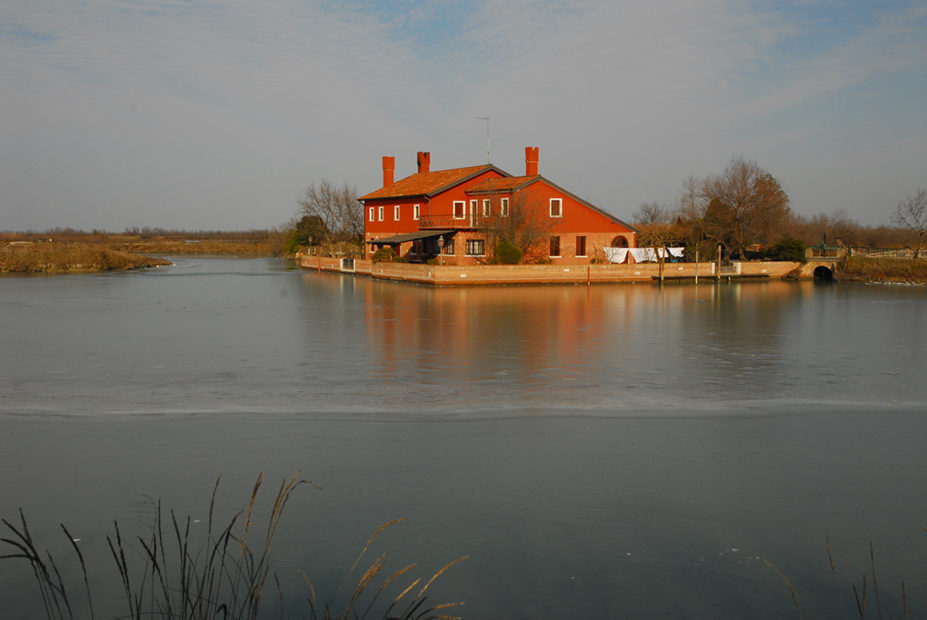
(620, 242)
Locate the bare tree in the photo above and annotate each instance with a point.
(745, 204)
(527, 225)
(690, 219)
(655, 229)
(651, 213)
(338, 207)
(911, 213)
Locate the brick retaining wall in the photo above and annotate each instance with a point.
(452, 275)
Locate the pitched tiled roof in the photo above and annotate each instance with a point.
(428, 183)
(501, 185)
(517, 183)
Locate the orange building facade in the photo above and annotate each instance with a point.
(456, 216)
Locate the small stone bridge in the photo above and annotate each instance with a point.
(820, 267)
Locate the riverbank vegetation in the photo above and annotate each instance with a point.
(173, 573)
(67, 250)
(894, 270)
(70, 257)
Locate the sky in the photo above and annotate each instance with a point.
(216, 115)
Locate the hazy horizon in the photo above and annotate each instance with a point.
(216, 116)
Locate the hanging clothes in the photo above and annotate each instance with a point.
(616, 255)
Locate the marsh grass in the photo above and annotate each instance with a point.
(170, 574)
(70, 257)
(864, 605)
(250, 243)
(883, 270)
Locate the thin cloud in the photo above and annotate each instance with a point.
(218, 114)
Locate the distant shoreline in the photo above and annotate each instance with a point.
(68, 251)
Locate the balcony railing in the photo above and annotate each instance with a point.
(449, 222)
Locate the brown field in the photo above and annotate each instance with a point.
(884, 270)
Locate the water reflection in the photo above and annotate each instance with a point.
(593, 347)
(599, 451)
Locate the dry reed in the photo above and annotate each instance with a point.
(860, 594)
(222, 577)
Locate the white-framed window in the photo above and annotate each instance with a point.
(504, 207)
(380, 214)
(487, 207)
(476, 247)
(460, 210)
(554, 246)
(416, 211)
(473, 204)
(556, 207)
(396, 213)
(373, 213)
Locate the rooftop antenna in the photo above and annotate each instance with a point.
(488, 154)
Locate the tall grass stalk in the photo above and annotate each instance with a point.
(860, 594)
(224, 576)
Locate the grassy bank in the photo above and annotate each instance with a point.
(252, 243)
(884, 270)
(30, 257)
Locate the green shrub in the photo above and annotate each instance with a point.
(508, 253)
(788, 249)
(383, 255)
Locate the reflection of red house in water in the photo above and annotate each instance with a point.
(452, 213)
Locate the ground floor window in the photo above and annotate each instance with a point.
(448, 245)
(476, 247)
(619, 242)
(555, 246)
(580, 245)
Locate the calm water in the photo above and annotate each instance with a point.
(606, 451)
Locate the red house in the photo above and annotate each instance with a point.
(462, 213)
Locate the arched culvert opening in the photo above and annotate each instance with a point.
(823, 273)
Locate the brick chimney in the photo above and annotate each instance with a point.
(389, 167)
(531, 161)
(424, 161)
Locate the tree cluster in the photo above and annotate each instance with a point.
(328, 214)
(745, 210)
